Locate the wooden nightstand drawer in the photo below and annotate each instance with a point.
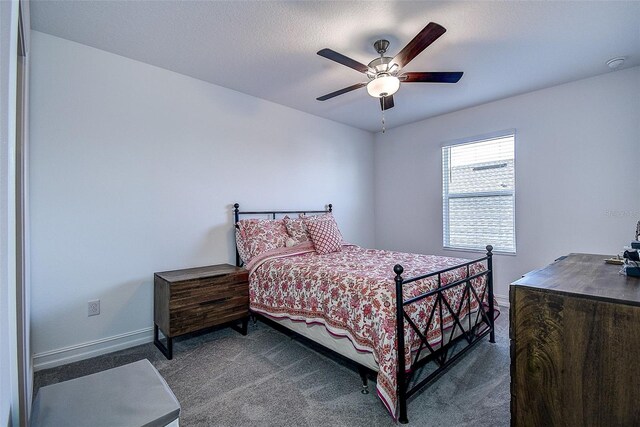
(193, 299)
(208, 313)
(206, 290)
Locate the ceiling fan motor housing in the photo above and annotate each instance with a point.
(381, 65)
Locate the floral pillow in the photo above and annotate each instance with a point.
(296, 229)
(261, 235)
(324, 233)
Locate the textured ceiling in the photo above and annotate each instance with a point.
(268, 48)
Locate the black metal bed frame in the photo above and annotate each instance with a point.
(445, 355)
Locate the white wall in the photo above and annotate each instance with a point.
(577, 169)
(134, 169)
(9, 406)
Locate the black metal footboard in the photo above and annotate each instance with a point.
(442, 356)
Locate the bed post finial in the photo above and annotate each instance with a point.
(330, 207)
(236, 216)
(489, 249)
(398, 269)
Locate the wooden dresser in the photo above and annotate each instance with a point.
(575, 345)
(196, 298)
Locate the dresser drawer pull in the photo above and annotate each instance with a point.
(215, 301)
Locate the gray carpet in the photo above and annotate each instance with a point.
(222, 378)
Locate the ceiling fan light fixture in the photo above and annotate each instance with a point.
(384, 85)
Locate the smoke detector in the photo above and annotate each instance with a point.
(615, 63)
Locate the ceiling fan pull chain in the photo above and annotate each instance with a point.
(383, 127)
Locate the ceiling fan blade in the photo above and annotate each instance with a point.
(428, 35)
(344, 60)
(341, 91)
(431, 77)
(386, 102)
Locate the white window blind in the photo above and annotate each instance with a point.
(478, 194)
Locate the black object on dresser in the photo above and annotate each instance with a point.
(575, 345)
(197, 298)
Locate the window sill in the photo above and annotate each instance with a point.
(478, 251)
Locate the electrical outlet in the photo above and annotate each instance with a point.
(93, 307)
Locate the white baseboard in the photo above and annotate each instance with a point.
(503, 301)
(74, 353)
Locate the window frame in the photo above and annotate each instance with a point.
(446, 197)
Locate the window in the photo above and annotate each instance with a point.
(478, 193)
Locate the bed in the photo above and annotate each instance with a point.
(405, 317)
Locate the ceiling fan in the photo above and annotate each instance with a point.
(384, 72)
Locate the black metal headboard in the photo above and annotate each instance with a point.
(273, 214)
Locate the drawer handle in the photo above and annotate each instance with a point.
(215, 301)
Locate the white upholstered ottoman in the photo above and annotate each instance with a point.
(133, 395)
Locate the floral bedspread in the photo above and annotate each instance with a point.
(352, 293)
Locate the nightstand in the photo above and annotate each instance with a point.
(192, 299)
